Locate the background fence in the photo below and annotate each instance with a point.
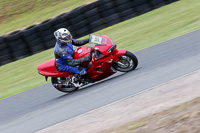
(80, 22)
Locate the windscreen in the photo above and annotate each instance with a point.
(98, 40)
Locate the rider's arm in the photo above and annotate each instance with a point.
(76, 62)
(80, 42)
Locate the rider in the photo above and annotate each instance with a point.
(64, 55)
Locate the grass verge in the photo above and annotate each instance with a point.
(137, 33)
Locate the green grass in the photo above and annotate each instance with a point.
(156, 26)
(18, 14)
(137, 33)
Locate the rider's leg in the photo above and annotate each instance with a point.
(77, 70)
(78, 73)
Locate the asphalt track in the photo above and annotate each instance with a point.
(44, 106)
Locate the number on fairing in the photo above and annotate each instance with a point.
(96, 39)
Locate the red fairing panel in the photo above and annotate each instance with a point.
(82, 52)
(48, 69)
(101, 69)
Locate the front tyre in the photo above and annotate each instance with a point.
(60, 84)
(126, 62)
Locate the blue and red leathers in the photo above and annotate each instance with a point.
(64, 57)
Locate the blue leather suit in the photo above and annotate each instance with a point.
(64, 57)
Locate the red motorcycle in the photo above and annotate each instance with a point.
(106, 60)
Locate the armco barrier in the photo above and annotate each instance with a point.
(80, 22)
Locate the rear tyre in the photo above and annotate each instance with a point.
(126, 63)
(59, 84)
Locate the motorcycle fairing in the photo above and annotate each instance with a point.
(48, 69)
(82, 52)
(101, 68)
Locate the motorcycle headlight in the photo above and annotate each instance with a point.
(97, 54)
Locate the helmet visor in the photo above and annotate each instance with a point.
(66, 39)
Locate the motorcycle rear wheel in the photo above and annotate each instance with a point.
(56, 82)
(126, 63)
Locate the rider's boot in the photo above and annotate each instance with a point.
(75, 79)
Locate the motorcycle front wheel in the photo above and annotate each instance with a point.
(59, 84)
(126, 62)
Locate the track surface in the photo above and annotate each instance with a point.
(43, 106)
